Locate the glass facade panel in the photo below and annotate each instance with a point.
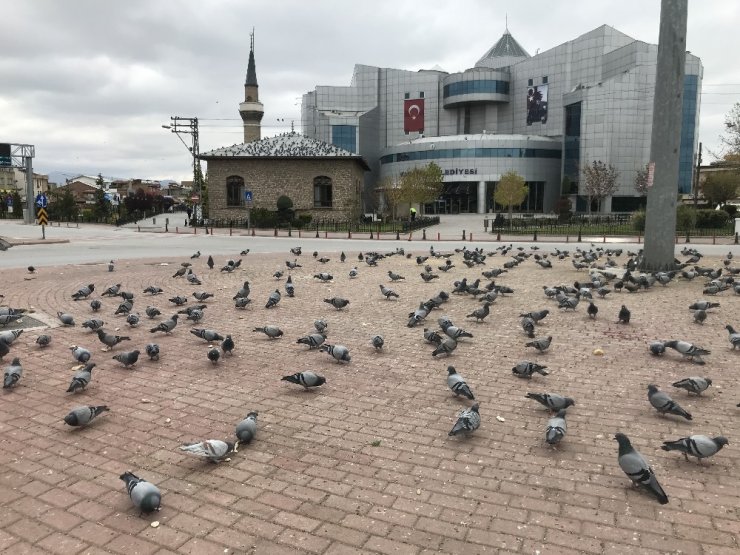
(572, 143)
(485, 86)
(344, 136)
(471, 153)
(688, 132)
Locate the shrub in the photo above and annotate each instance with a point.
(685, 217)
(302, 221)
(638, 220)
(284, 203)
(709, 219)
(261, 217)
(731, 209)
(563, 208)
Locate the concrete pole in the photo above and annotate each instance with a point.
(30, 206)
(481, 197)
(660, 217)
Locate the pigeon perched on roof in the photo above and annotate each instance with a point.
(340, 353)
(699, 446)
(13, 373)
(540, 343)
(213, 450)
(664, 404)
(246, 429)
(457, 383)
(525, 369)
(551, 401)
(337, 302)
(637, 468)
(127, 358)
(688, 350)
(556, 428)
(83, 292)
(306, 379)
(273, 332)
(273, 299)
(82, 416)
(80, 354)
(467, 421)
(81, 379)
(144, 495)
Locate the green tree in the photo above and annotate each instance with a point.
(62, 205)
(102, 207)
(511, 191)
(17, 205)
(600, 181)
(720, 186)
(421, 185)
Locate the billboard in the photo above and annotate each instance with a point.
(537, 104)
(4, 154)
(413, 115)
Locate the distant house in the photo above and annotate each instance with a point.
(82, 192)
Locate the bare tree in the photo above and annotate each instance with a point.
(511, 191)
(600, 181)
(641, 181)
(731, 137)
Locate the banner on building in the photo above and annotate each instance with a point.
(537, 104)
(413, 115)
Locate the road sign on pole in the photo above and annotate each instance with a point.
(248, 197)
(41, 200)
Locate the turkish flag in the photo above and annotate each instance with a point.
(413, 115)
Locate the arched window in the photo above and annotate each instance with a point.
(322, 192)
(234, 190)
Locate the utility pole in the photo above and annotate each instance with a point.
(189, 126)
(660, 217)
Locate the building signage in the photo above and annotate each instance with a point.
(461, 171)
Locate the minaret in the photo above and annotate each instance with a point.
(251, 110)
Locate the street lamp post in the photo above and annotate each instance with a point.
(189, 126)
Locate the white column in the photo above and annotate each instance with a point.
(482, 204)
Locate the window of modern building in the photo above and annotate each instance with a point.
(471, 153)
(344, 136)
(421, 94)
(530, 82)
(544, 80)
(466, 123)
(322, 193)
(535, 197)
(572, 143)
(234, 190)
(407, 95)
(485, 86)
(688, 134)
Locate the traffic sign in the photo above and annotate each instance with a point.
(42, 216)
(41, 200)
(248, 196)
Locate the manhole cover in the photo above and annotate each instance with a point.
(24, 323)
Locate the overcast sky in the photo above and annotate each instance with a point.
(90, 82)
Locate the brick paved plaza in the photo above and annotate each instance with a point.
(364, 464)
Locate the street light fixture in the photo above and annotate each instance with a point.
(189, 126)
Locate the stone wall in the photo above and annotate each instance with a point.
(269, 178)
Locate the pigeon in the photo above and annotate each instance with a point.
(337, 302)
(246, 430)
(213, 450)
(734, 337)
(342, 257)
(180, 272)
(324, 260)
(703, 305)
(528, 326)
(552, 401)
(387, 292)
(432, 336)
(273, 332)
(152, 351)
(81, 378)
(378, 342)
(569, 302)
(313, 340)
(125, 307)
(111, 291)
(214, 354)
(43, 340)
(94, 324)
(700, 316)
(202, 295)
(339, 352)
(95, 305)
(82, 416)
(166, 325)
(456, 333)
(13, 373)
(241, 302)
(656, 347)
(353, 273)
(133, 319)
(243, 292)
(80, 354)
(9, 336)
(144, 495)
(525, 369)
(10, 318)
(210, 262)
(556, 428)
(83, 292)
(395, 277)
(480, 313)
(694, 384)
(195, 315)
(321, 326)
(152, 311)
(699, 446)
(624, 315)
(273, 299)
(467, 421)
(189, 310)
(289, 287)
(457, 383)
(296, 251)
(637, 469)
(109, 339)
(664, 404)
(245, 252)
(306, 379)
(279, 274)
(196, 255)
(153, 290)
(541, 343)
(292, 265)
(688, 350)
(127, 358)
(179, 300)
(324, 276)
(227, 346)
(447, 345)
(209, 335)
(592, 310)
(64, 318)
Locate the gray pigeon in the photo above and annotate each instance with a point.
(179, 300)
(734, 337)
(321, 325)
(388, 292)
(208, 335)
(109, 339)
(526, 368)
(152, 312)
(541, 343)
(339, 352)
(13, 373)
(552, 401)
(227, 346)
(81, 378)
(337, 302)
(700, 316)
(243, 292)
(43, 340)
(694, 384)
(242, 302)
(111, 291)
(125, 307)
(95, 305)
(656, 347)
(378, 342)
(9, 336)
(432, 336)
(213, 355)
(83, 292)
(202, 295)
(289, 287)
(664, 404)
(688, 350)
(82, 416)
(246, 430)
(133, 320)
(456, 333)
(556, 428)
(94, 324)
(153, 290)
(699, 446)
(467, 422)
(313, 340)
(64, 318)
(80, 354)
(536, 316)
(152, 351)
(127, 358)
(637, 468)
(273, 299)
(703, 305)
(144, 495)
(480, 313)
(394, 276)
(213, 450)
(306, 379)
(273, 332)
(528, 326)
(457, 383)
(446, 346)
(166, 326)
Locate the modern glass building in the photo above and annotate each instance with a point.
(543, 116)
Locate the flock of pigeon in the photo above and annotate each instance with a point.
(605, 276)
